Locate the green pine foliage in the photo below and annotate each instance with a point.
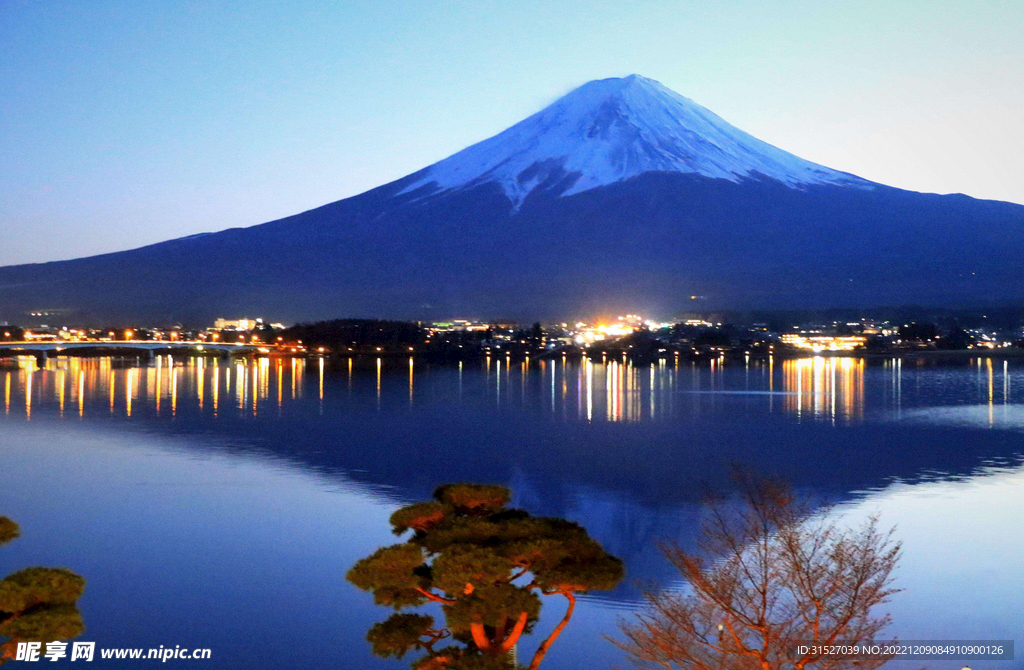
(37, 604)
(488, 565)
(399, 633)
(420, 516)
(8, 530)
(45, 624)
(470, 498)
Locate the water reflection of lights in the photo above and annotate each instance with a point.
(819, 388)
(174, 391)
(215, 382)
(824, 387)
(201, 381)
(280, 382)
(28, 395)
(81, 393)
(129, 391)
(60, 390)
(616, 391)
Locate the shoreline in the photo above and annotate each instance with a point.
(610, 354)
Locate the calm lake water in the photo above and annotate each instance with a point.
(218, 504)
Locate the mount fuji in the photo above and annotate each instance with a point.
(620, 196)
(611, 130)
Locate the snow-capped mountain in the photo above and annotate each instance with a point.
(609, 130)
(621, 197)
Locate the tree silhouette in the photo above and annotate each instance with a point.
(487, 566)
(770, 576)
(37, 604)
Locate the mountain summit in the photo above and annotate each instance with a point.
(610, 130)
(620, 197)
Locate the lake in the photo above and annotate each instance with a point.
(218, 504)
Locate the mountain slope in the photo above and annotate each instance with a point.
(610, 130)
(621, 196)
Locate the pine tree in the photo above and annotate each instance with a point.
(488, 566)
(37, 604)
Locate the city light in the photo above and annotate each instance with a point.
(824, 342)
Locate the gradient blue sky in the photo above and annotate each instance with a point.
(126, 123)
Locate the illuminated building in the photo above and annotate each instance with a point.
(237, 324)
(824, 342)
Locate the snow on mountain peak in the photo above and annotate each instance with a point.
(610, 130)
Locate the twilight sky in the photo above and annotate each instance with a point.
(123, 124)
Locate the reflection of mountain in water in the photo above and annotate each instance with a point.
(626, 451)
(625, 528)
